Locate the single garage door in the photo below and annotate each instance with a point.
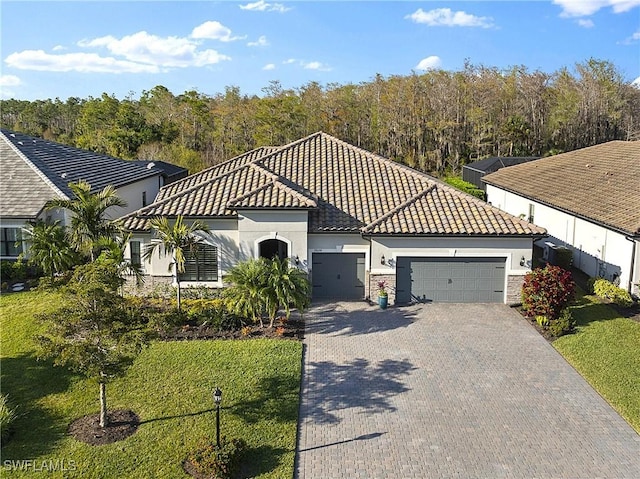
(337, 275)
(450, 280)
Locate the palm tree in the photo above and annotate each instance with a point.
(245, 295)
(113, 249)
(49, 248)
(286, 286)
(88, 223)
(177, 239)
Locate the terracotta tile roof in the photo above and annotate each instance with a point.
(344, 187)
(214, 171)
(600, 183)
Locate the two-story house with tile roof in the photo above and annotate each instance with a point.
(34, 171)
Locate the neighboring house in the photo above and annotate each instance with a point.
(170, 173)
(588, 200)
(474, 172)
(34, 171)
(349, 218)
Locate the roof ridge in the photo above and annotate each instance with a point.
(398, 208)
(32, 165)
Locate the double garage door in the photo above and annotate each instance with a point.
(450, 280)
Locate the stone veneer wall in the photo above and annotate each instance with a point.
(514, 289)
(160, 285)
(391, 286)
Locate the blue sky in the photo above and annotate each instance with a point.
(62, 49)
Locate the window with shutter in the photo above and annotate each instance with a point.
(201, 265)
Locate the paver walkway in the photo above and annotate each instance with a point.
(440, 391)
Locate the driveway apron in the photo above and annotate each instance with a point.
(449, 391)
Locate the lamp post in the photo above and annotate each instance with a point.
(217, 398)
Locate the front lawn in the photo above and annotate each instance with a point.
(170, 388)
(606, 351)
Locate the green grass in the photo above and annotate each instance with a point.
(169, 386)
(605, 350)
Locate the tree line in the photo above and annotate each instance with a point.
(434, 121)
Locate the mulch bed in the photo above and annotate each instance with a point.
(122, 424)
(292, 329)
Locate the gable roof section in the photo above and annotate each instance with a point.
(62, 164)
(24, 190)
(599, 183)
(345, 188)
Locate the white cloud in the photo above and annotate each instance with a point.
(632, 39)
(9, 81)
(59, 48)
(585, 23)
(636, 82)
(260, 42)
(213, 30)
(289, 61)
(584, 8)
(269, 66)
(262, 6)
(429, 63)
(149, 49)
(80, 62)
(448, 18)
(315, 66)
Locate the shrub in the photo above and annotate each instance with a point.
(217, 462)
(564, 257)
(7, 416)
(547, 291)
(13, 270)
(563, 325)
(465, 186)
(607, 290)
(213, 312)
(542, 321)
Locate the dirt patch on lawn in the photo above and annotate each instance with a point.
(122, 424)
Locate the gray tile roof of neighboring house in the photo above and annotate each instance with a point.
(600, 183)
(345, 189)
(58, 165)
(494, 163)
(170, 171)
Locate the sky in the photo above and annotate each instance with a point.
(85, 48)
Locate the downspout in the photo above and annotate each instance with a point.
(633, 263)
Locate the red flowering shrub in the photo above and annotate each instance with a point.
(546, 291)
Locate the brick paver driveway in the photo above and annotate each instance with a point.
(438, 390)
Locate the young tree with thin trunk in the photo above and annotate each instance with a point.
(94, 333)
(178, 240)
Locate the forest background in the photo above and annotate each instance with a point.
(435, 121)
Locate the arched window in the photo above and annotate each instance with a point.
(273, 248)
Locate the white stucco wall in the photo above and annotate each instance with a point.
(598, 251)
(339, 243)
(287, 226)
(132, 194)
(512, 249)
(223, 234)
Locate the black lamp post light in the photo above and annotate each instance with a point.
(217, 399)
